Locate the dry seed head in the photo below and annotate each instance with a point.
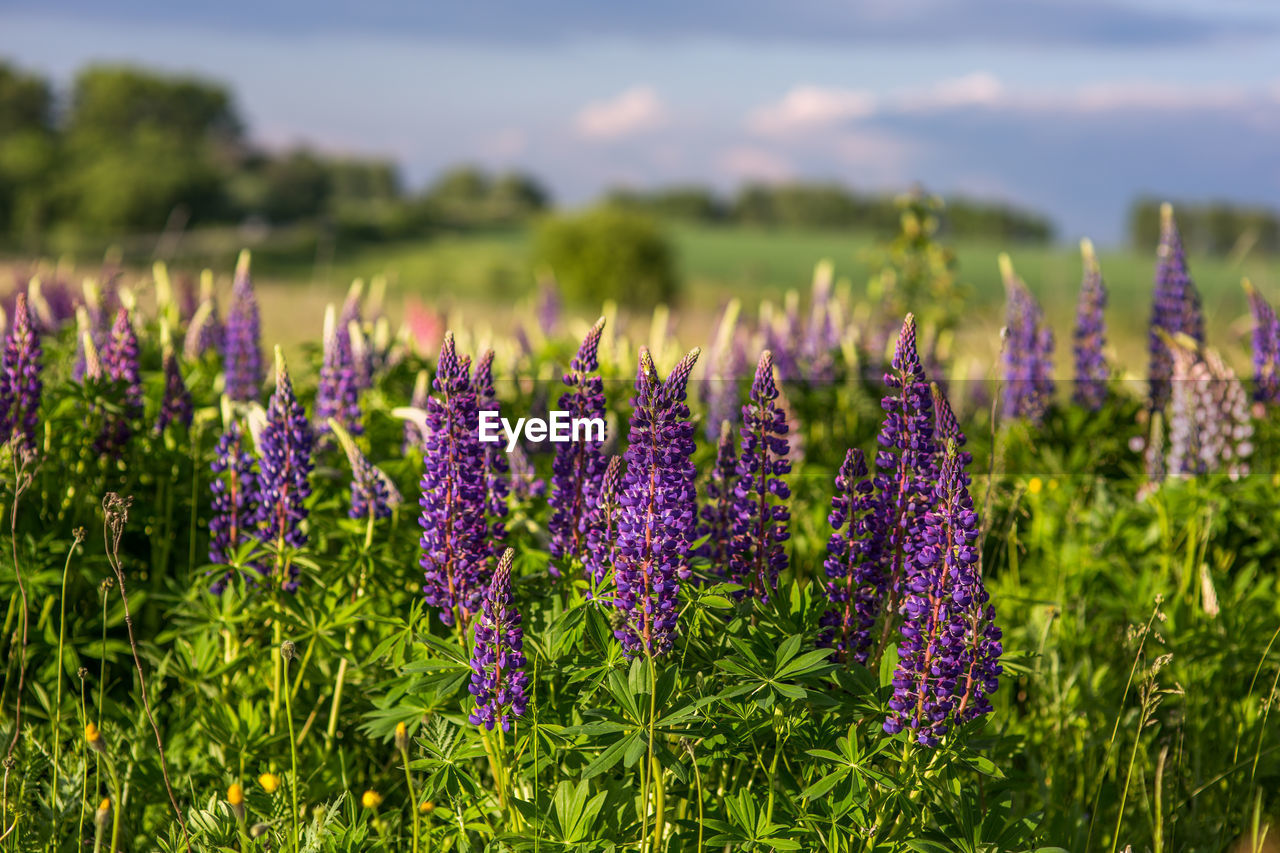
(287, 650)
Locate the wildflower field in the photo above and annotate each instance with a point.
(820, 587)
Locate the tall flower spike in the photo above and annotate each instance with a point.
(1092, 373)
(947, 429)
(373, 494)
(337, 394)
(855, 582)
(120, 367)
(654, 515)
(904, 474)
(498, 679)
(285, 449)
(1266, 347)
(578, 465)
(175, 405)
(496, 483)
(684, 510)
(602, 527)
(242, 350)
(757, 549)
(20, 383)
(950, 649)
(718, 510)
(454, 545)
(236, 513)
(1175, 307)
(1028, 351)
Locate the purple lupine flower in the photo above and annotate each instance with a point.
(905, 472)
(242, 349)
(454, 545)
(526, 485)
(757, 549)
(578, 465)
(20, 383)
(1266, 347)
(1175, 307)
(1028, 352)
(284, 446)
(656, 511)
(685, 497)
(236, 513)
(1232, 429)
(496, 483)
(1209, 421)
(120, 367)
(498, 679)
(602, 525)
(718, 511)
(1092, 372)
(337, 393)
(373, 494)
(413, 439)
(950, 649)
(176, 405)
(947, 429)
(855, 579)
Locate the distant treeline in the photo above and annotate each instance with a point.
(831, 205)
(1214, 227)
(127, 151)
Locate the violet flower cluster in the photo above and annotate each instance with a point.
(236, 513)
(241, 347)
(175, 406)
(1028, 352)
(454, 543)
(1209, 421)
(20, 383)
(656, 514)
(284, 445)
(1266, 348)
(855, 582)
(718, 510)
(757, 548)
(602, 527)
(1175, 308)
(120, 367)
(205, 332)
(496, 482)
(498, 680)
(578, 466)
(950, 649)
(1092, 372)
(337, 393)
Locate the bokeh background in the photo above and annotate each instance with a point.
(660, 153)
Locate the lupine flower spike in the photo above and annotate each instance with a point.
(235, 509)
(284, 446)
(655, 512)
(1175, 307)
(855, 581)
(453, 541)
(1092, 373)
(904, 474)
(718, 510)
(496, 482)
(20, 383)
(1266, 347)
(602, 526)
(498, 680)
(950, 649)
(337, 394)
(120, 367)
(176, 406)
(242, 350)
(757, 549)
(578, 465)
(373, 494)
(1028, 352)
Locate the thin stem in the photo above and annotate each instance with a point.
(293, 760)
(57, 702)
(655, 771)
(21, 479)
(413, 799)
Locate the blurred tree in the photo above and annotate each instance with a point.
(1216, 227)
(28, 150)
(608, 253)
(686, 203)
(141, 144)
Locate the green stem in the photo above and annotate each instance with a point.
(655, 771)
(117, 804)
(57, 702)
(413, 799)
(293, 761)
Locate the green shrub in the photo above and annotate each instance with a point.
(608, 253)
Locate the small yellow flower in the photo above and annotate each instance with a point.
(1053, 485)
(1034, 485)
(103, 812)
(269, 782)
(94, 738)
(235, 794)
(371, 799)
(402, 736)
(427, 807)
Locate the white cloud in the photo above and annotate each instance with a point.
(980, 88)
(809, 107)
(756, 164)
(633, 111)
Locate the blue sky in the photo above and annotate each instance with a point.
(1069, 107)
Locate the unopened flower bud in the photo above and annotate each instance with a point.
(287, 650)
(402, 737)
